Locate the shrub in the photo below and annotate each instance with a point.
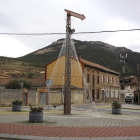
(36, 109)
(31, 75)
(23, 64)
(17, 102)
(15, 84)
(116, 104)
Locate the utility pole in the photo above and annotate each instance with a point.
(138, 81)
(122, 60)
(69, 31)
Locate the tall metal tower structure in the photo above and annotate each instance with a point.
(122, 60)
(69, 31)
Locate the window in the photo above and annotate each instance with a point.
(111, 79)
(107, 79)
(92, 71)
(93, 80)
(97, 72)
(98, 80)
(122, 86)
(103, 77)
(107, 93)
(112, 93)
(87, 77)
(116, 94)
(116, 80)
(98, 94)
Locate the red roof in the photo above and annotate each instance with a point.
(91, 64)
(133, 80)
(97, 66)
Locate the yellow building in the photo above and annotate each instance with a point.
(55, 71)
(98, 83)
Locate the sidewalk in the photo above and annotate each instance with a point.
(23, 137)
(81, 126)
(45, 131)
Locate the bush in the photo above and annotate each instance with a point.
(116, 104)
(15, 84)
(17, 102)
(36, 109)
(23, 64)
(31, 75)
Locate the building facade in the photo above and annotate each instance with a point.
(128, 87)
(98, 84)
(103, 82)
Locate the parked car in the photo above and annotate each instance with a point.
(128, 99)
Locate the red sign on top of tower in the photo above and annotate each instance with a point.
(82, 17)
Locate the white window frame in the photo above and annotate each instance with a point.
(107, 93)
(116, 80)
(103, 77)
(112, 93)
(116, 93)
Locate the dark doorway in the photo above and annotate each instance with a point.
(103, 92)
(93, 95)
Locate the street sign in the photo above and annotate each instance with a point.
(82, 17)
(49, 82)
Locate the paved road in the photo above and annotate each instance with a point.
(89, 120)
(106, 107)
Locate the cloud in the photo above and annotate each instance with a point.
(48, 16)
(12, 48)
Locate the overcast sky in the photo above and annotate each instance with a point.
(48, 16)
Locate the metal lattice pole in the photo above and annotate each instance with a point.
(122, 60)
(67, 97)
(69, 31)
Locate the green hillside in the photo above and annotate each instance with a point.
(16, 68)
(97, 52)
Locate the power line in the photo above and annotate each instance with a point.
(43, 34)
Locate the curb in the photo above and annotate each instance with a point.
(24, 137)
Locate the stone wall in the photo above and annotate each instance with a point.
(7, 96)
(56, 97)
(32, 97)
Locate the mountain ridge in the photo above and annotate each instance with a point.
(94, 51)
